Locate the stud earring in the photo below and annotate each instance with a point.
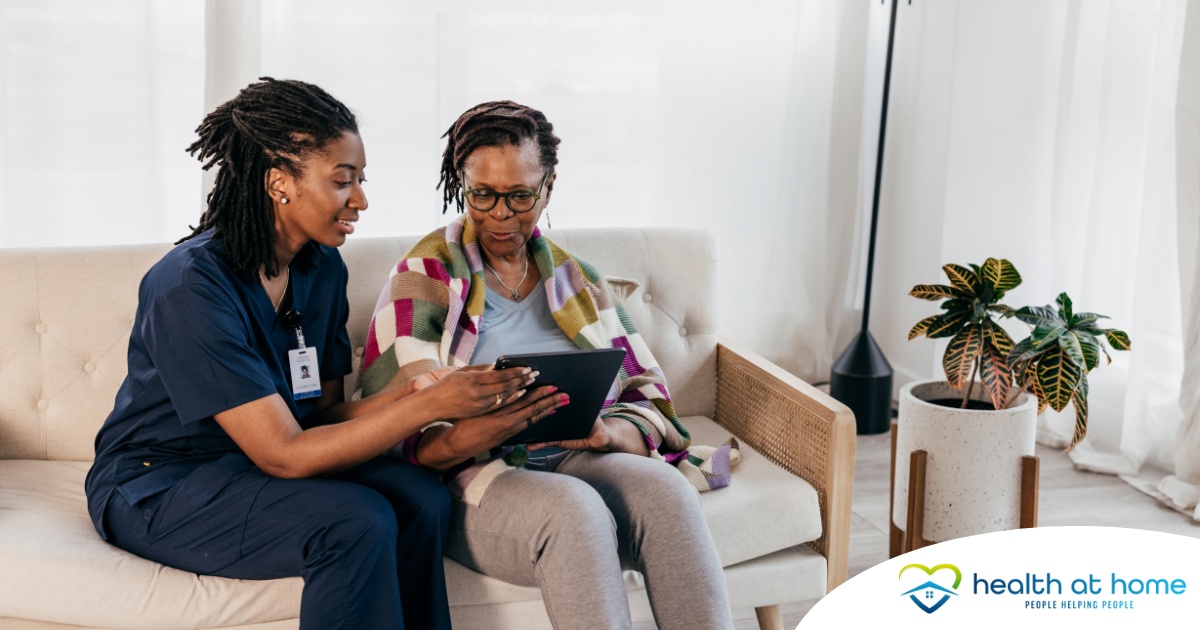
(283, 200)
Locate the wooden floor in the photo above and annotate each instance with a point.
(1067, 497)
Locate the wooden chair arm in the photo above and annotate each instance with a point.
(799, 428)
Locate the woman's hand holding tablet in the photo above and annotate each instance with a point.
(585, 375)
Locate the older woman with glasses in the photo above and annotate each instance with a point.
(490, 284)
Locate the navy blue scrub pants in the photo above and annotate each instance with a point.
(367, 541)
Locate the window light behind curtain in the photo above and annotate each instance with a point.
(97, 102)
(1044, 132)
(410, 69)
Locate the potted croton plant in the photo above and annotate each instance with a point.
(979, 421)
(1054, 361)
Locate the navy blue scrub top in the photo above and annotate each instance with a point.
(207, 339)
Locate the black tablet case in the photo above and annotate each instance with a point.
(584, 375)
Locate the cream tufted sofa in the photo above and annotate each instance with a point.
(782, 527)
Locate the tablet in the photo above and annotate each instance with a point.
(584, 375)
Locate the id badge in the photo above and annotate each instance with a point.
(306, 377)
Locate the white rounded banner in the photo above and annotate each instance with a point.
(1047, 577)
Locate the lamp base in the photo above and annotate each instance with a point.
(862, 380)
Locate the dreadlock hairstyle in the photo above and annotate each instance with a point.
(269, 124)
(493, 124)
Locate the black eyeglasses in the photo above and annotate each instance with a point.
(484, 199)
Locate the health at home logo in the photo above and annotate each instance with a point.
(937, 589)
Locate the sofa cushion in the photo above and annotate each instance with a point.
(56, 568)
(764, 509)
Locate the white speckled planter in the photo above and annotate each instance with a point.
(973, 471)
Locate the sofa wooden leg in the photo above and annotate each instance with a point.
(769, 617)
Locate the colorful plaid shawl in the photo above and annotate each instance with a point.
(428, 315)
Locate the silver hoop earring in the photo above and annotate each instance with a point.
(283, 200)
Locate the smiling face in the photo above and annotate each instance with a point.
(324, 200)
(502, 232)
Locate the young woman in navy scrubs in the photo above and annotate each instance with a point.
(218, 457)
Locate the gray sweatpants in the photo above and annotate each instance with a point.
(572, 530)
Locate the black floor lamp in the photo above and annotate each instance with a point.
(862, 376)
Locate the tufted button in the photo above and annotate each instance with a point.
(43, 404)
(646, 297)
(682, 331)
(358, 351)
(40, 328)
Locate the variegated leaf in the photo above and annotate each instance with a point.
(922, 326)
(1002, 274)
(947, 325)
(1022, 347)
(1036, 389)
(935, 292)
(962, 278)
(1081, 411)
(998, 336)
(1091, 351)
(1029, 355)
(1046, 337)
(1057, 376)
(956, 304)
(1083, 320)
(997, 375)
(1019, 371)
(1043, 316)
(959, 360)
(1070, 345)
(1064, 306)
(1117, 339)
(1030, 375)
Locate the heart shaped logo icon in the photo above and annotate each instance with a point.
(931, 594)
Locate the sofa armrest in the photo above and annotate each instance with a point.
(799, 428)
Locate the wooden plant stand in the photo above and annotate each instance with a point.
(905, 540)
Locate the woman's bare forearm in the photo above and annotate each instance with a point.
(349, 409)
(265, 430)
(437, 451)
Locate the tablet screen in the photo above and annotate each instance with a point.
(584, 375)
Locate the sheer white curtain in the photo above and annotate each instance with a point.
(97, 102)
(1044, 132)
(1181, 489)
(745, 120)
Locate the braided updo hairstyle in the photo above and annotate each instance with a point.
(493, 124)
(269, 124)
